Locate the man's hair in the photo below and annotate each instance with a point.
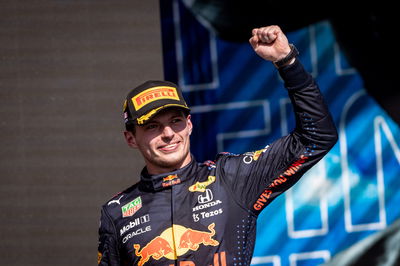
(131, 125)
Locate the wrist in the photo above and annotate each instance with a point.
(288, 59)
(294, 75)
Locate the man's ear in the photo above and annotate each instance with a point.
(190, 124)
(130, 139)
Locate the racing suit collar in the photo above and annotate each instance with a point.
(167, 180)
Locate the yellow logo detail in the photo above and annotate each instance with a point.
(99, 257)
(201, 186)
(258, 153)
(154, 94)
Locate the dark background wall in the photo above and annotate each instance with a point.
(65, 67)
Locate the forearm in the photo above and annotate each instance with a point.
(313, 119)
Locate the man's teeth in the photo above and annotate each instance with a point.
(169, 147)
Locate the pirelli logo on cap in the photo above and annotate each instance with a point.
(154, 94)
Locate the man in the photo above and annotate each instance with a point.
(186, 213)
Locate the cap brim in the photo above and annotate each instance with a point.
(146, 117)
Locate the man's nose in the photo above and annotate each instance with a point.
(168, 132)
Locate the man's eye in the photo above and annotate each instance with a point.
(151, 126)
(176, 120)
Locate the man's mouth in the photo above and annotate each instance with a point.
(170, 147)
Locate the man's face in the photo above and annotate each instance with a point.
(164, 141)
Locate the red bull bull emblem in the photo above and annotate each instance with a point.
(163, 245)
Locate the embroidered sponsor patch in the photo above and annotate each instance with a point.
(171, 180)
(253, 156)
(132, 207)
(201, 186)
(154, 94)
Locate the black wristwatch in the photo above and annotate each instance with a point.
(292, 54)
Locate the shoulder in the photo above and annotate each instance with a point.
(114, 205)
(222, 156)
(225, 157)
(220, 160)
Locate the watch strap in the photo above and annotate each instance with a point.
(292, 54)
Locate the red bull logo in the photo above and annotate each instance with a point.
(156, 248)
(192, 239)
(162, 245)
(170, 180)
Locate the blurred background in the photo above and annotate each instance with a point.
(344, 211)
(65, 69)
(66, 66)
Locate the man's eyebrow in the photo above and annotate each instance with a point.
(154, 120)
(177, 115)
(148, 123)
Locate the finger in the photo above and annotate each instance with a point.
(253, 41)
(267, 34)
(263, 34)
(271, 35)
(259, 33)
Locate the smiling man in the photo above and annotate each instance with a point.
(182, 212)
(163, 126)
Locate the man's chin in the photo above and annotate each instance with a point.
(173, 161)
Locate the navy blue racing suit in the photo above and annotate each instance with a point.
(205, 213)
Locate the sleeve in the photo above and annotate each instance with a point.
(108, 248)
(256, 178)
